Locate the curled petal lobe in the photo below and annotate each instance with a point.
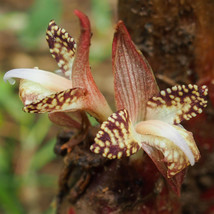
(68, 100)
(116, 137)
(176, 145)
(188, 136)
(134, 81)
(157, 128)
(178, 103)
(47, 79)
(174, 158)
(62, 47)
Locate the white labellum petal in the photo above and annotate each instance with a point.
(162, 129)
(47, 79)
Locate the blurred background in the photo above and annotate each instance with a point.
(175, 36)
(29, 168)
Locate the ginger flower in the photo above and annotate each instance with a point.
(146, 118)
(71, 88)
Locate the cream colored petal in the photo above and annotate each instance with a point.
(168, 142)
(188, 136)
(31, 91)
(47, 79)
(174, 158)
(161, 129)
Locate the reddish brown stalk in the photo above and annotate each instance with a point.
(81, 73)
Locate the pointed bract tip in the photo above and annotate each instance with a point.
(52, 21)
(120, 23)
(134, 81)
(78, 13)
(84, 21)
(121, 28)
(51, 24)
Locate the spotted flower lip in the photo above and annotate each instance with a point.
(74, 89)
(146, 117)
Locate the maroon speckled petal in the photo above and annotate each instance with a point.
(68, 100)
(62, 47)
(178, 103)
(116, 137)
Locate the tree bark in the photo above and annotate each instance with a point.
(175, 36)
